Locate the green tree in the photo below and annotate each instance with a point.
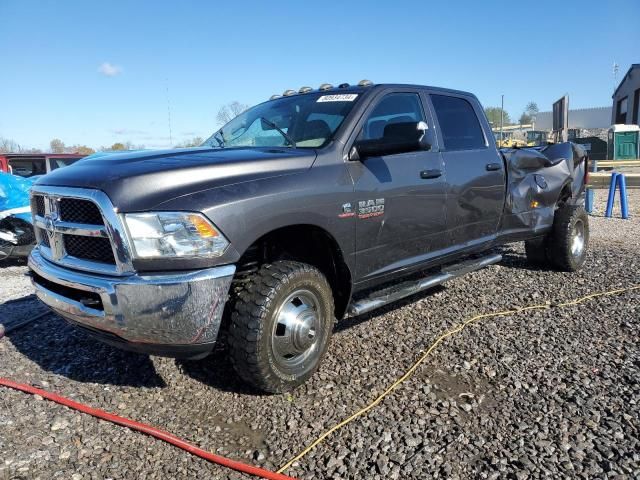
(524, 119)
(56, 145)
(494, 115)
(81, 149)
(529, 114)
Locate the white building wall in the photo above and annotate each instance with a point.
(597, 117)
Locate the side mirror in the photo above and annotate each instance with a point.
(399, 137)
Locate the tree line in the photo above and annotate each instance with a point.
(225, 114)
(498, 116)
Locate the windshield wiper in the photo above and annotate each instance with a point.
(219, 140)
(282, 132)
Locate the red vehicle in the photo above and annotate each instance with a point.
(30, 164)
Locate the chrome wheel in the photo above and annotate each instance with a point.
(577, 239)
(296, 329)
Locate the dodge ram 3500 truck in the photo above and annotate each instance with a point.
(304, 209)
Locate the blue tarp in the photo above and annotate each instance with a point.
(14, 196)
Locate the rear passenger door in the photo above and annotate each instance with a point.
(474, 169)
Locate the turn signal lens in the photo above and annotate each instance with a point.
(204, 228)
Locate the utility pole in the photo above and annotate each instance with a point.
(501, 118)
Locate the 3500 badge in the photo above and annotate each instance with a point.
(366, 209)
(371, 208)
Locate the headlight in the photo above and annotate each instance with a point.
(174, 234)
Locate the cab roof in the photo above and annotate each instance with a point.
(345, 88)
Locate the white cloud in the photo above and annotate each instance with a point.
(109, 70)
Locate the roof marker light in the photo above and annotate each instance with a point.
(288, 93)
(273, 97)
(325, 86)
(343, 85)
(365, 83)
(305, 89)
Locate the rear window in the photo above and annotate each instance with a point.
(458, 122)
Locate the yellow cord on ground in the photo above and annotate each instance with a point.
(442, 337)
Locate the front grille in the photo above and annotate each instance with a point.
(97, 249)
(77, 228)
(44, 238)
(79, 211)
(39, 200)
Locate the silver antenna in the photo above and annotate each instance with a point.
(616, 67)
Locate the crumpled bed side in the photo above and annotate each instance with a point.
(535, 181)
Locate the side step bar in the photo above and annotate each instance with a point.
(405, 289)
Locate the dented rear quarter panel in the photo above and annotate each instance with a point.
(533, 194)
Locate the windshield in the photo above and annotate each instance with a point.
(305, 121)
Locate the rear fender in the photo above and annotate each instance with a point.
(534, 191)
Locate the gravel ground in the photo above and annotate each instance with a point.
(551, 393)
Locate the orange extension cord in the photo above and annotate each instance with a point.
(149, 430)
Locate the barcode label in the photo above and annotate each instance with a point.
(343, 97)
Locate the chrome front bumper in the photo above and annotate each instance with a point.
(168, 309)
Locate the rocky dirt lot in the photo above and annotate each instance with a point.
(539, 394)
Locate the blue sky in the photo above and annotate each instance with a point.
(211, 53)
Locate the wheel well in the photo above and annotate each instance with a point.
(304, 243)
(565, 195)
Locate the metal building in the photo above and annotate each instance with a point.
(626, 98)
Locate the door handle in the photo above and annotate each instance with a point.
(492, 167)
(426, 174)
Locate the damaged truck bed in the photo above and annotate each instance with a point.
(538, 180)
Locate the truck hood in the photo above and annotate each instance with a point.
(142, 180)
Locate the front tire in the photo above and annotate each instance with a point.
(280, 326)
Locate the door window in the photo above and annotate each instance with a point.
(621, 115)
(459, 123)
(396, 113)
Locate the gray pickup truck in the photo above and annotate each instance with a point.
(315, 205)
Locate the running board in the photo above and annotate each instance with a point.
(394, 293)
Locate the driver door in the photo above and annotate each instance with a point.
(399, 198)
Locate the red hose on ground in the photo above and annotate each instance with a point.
(149, 430)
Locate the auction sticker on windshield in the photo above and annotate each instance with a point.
(343, 97)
